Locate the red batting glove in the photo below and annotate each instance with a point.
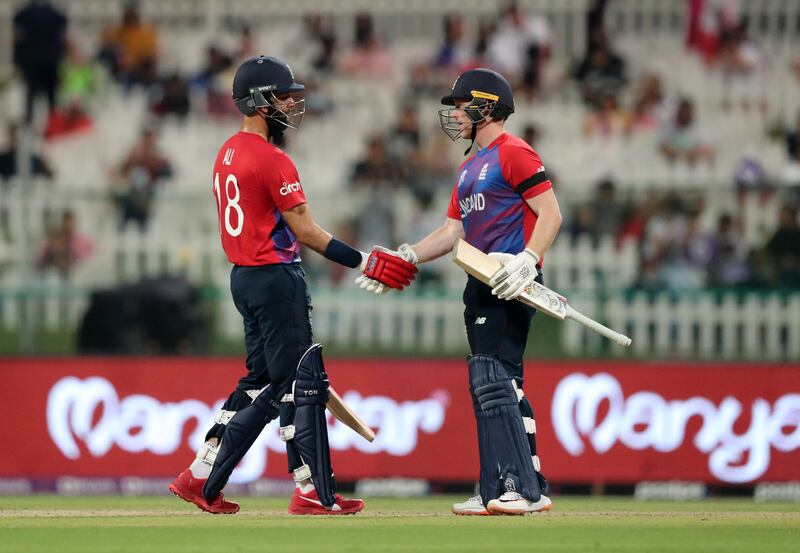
(389, 268)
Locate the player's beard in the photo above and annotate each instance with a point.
(276, 130)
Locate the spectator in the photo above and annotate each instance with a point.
(684, 139)
(608, 119)
(601, 217)
(79, 78)
(63, 248)
(79, 81)
(486, 30)
(662, 243)
(530, 135)
(314, 44)
(793, 141)
(520, 44)
(212, 81)
(67, 120)
(378, 167)
(8, 158)
(751, 177)
(728, 263)
(406, 135)
(215, 63)
(649, 106)
(368, 56)
(455, 52)
(39, 47)
(608, 211)
(708, 20)
(783, 250)
(130, 48)
(137, 178)
(602, 71)
(172, 98)
(742, 64)
(246, 48)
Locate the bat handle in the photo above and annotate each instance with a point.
(612, 335)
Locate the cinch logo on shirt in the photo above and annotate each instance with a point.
(288, 188)
(476, 202)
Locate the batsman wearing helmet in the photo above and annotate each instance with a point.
(263, 219)
(502, 203)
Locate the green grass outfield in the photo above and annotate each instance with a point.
(165, 524)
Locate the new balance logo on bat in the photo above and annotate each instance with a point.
(480, 320)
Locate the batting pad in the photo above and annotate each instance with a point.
(310, 422)
(505, 452)
(240, 433)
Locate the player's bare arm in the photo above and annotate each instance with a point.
(307, 231)
(382, 265)
(545, 206)
(439, 242)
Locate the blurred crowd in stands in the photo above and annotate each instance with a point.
(676, 250)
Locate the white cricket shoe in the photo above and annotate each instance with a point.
(471, 507)
(511, 503)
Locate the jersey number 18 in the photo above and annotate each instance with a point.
(233, 204)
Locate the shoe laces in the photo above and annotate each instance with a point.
(476, 499)
(510, 496)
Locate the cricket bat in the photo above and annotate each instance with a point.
(347, 416)
(483, 266)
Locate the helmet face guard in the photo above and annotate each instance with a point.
(274, 105)
(482, 106)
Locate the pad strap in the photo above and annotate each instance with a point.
(302, 473)
(208, 453)
(287, 432)
(255, 393)
(223, 417)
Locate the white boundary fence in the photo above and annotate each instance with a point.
(752, 325)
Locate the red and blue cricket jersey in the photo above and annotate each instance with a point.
(253, 183)
(489, 195)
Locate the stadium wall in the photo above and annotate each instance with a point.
(612, 422)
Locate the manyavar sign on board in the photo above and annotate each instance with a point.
(611, 422)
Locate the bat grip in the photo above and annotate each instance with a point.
(615, 337)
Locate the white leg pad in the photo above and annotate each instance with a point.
(255, 393)
(286, 433)
(520, 393)
(208, 453)
(223, 417)
(302, 473)
(530, 425)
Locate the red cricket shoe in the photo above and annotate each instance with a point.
(190, 489)
(309, 504)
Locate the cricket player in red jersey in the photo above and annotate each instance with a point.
(263, 219)
(503, 203)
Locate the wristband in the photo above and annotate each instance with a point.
(341, 253)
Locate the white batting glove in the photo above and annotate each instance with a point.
(517, 274)
(408, 254)
(503, 258)
(371, 285)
